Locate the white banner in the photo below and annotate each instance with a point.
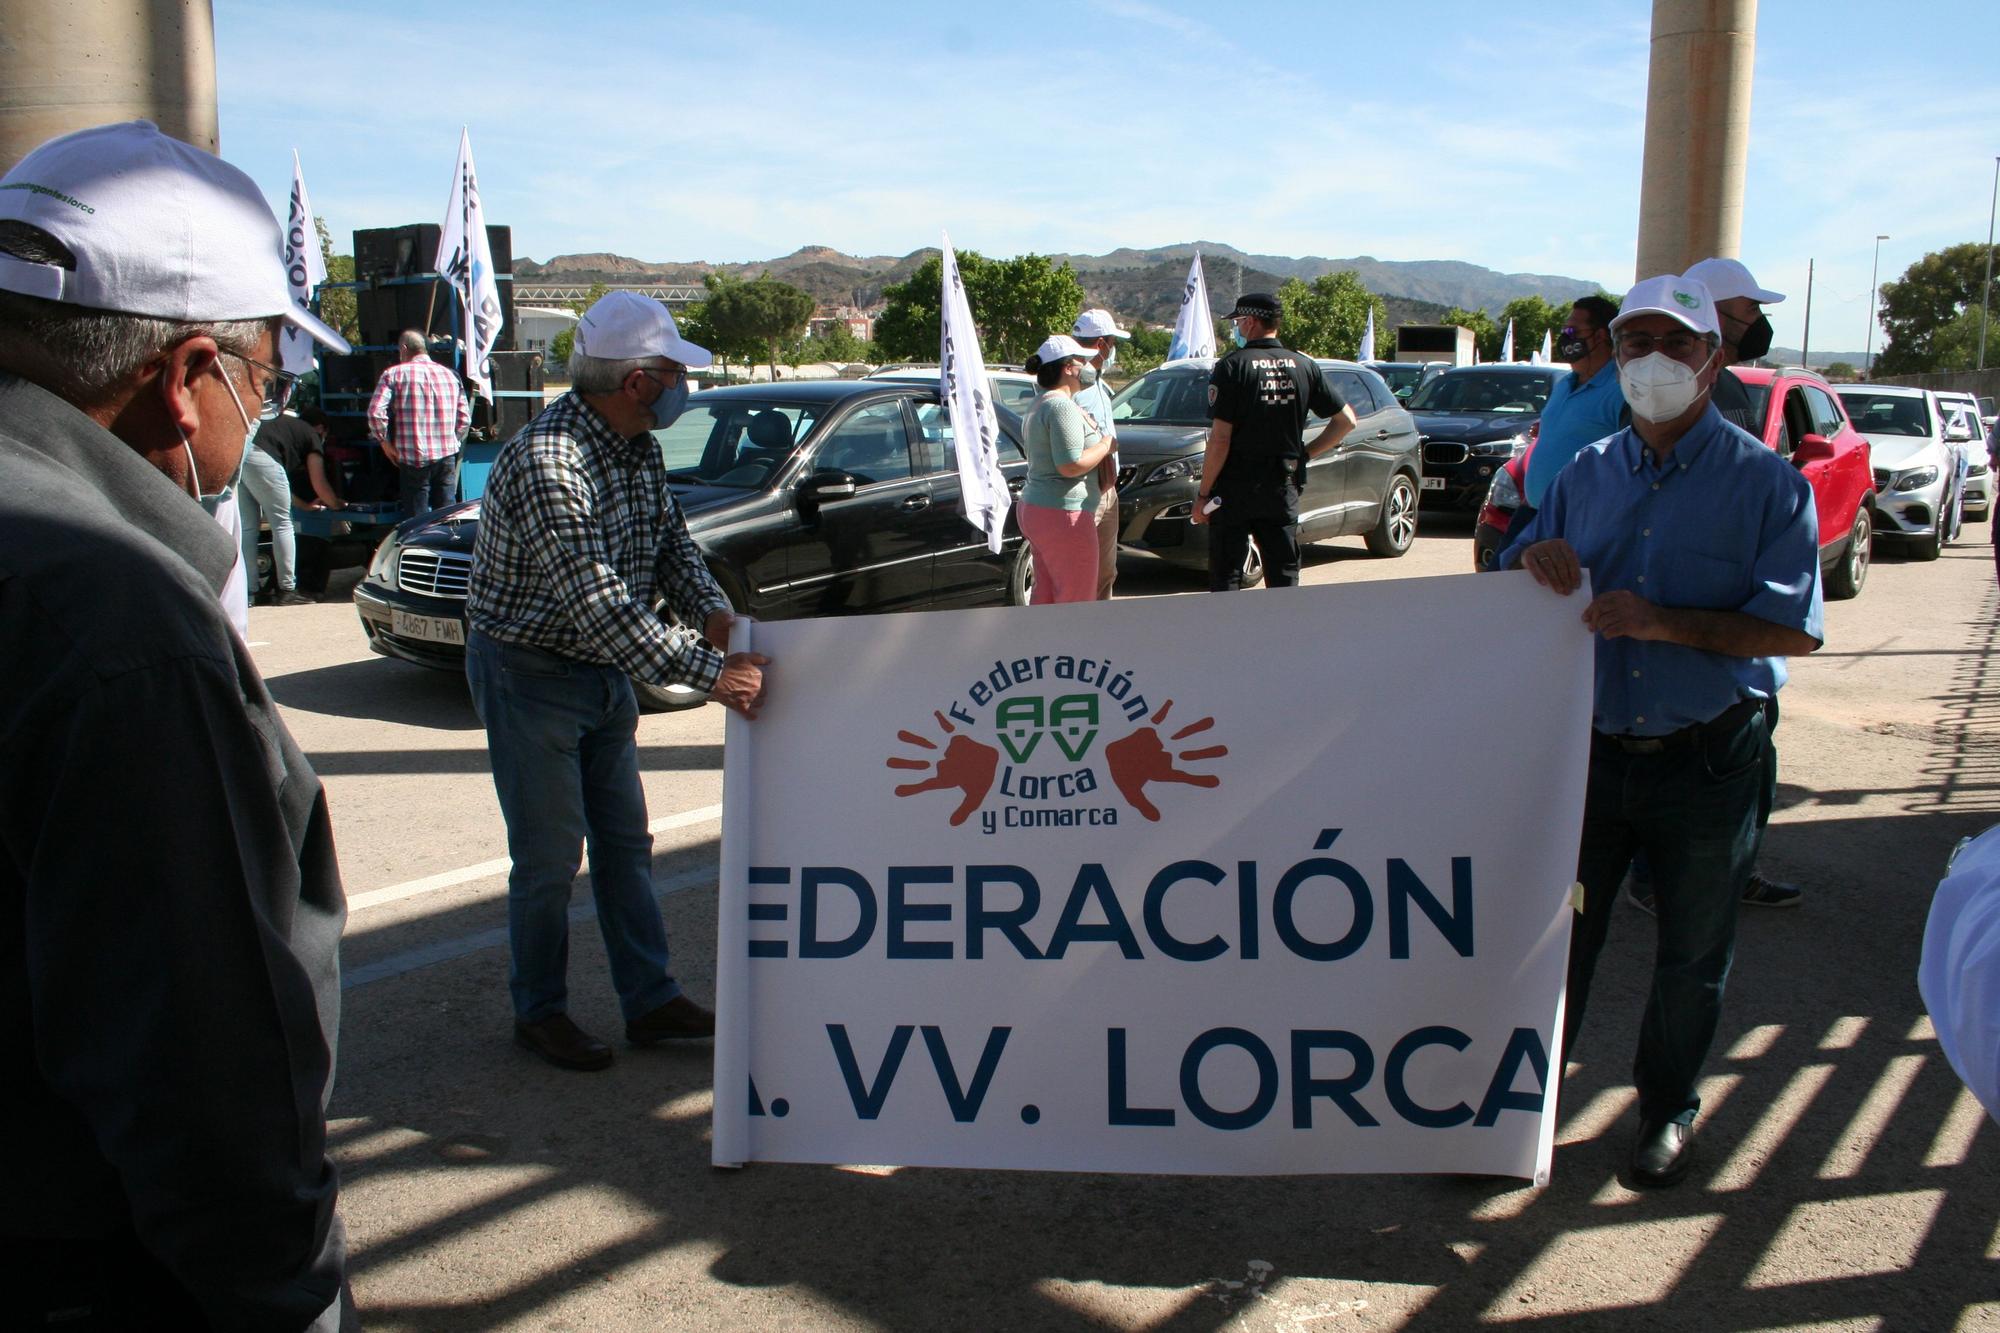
(465, 259)
(1507, 343)
(305, 270)
(975, 430)
(1367, 352)
(1194, 327)
(1223, 884)
(1541, 358)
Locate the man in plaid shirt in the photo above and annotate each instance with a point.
(579, 535)
(419, 415)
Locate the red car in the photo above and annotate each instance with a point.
(1805, 422)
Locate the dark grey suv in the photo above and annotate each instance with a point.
(1367, 487)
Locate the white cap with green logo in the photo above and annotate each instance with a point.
(1684, 299)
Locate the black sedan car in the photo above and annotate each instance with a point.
(1473, 419)
(832, 497)
(1367, 486)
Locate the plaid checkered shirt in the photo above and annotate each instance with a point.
(579, 535)
(419, 411)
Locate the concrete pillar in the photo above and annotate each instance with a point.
(69, 64)
(1697, 132)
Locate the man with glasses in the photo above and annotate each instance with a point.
(1702, 551)
(1096, 330)
(418, 415)
(170, 906)
(579, 538)
(1585, 406)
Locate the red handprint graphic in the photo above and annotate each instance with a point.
(966, 766)
(1140, 759)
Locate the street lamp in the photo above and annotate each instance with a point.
(1986, 293)
(1868, 357)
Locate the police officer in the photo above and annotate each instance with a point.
(1259, 397)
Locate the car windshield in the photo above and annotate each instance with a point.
(1886, 413)
(736, 443)
(1477, 391)
(1165, 397)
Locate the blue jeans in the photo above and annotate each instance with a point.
(265, 496)
(423, 487)
(1693, 811)
(566, 767)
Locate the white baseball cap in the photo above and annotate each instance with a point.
(1684, 299)
(1097, 324)
(158, 227)
(1061, 346)
(1728, 278)
(625, 326)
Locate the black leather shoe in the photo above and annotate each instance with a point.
(563, 1044)
(678, 1019)
(1663, 1152)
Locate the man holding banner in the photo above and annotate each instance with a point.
(1703, 554)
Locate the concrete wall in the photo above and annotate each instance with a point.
(1978, 383)
(69, 64)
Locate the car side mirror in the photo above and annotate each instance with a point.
(1957, 432)
(825, 486)
(1813, 449)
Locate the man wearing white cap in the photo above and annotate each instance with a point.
(579, 536)
(1096, 330)
(170, 905)
(1746, 335)
(1703, 555)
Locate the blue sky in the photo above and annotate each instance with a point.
(1494, 134)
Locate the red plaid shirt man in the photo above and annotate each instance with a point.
(419, 412)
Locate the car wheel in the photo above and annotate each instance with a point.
(1021, 575)
(1846, 578)
(1397, 527)
(667, 698)
(1931, 543)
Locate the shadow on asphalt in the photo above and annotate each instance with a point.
(347, 763)
(1844, 1176)
(379, 689)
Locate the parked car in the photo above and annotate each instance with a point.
(1014, 390)
(1405, 377)
(1966, 433)
(1804, 422)
(1913, 466)
(1367, 486)
(814, 498)
(1472, 419)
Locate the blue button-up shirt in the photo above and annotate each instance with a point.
(1579, 412)
(1722, 524)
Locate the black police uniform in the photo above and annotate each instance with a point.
(1265, 391)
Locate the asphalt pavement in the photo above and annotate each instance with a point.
(1845, 1181)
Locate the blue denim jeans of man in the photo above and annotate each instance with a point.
(1692, 808)
(566, 767)
(265, 496)
(426, 486)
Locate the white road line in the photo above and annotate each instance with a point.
(443, 951)
(466, 874)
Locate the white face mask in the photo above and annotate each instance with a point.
(249, 438)
(1110, 358)
(1659, 388)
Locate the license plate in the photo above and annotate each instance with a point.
(431, 629)
(1433, 483)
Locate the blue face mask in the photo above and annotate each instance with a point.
(667, 408)
(1236, 336)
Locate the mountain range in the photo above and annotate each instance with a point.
(1134, 284)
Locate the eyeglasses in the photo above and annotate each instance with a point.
(669, 374)
(1678, 344)
(278, 382)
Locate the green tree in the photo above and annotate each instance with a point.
(336, 304)
(1486, 334)
(834, 342)
(1016, 303)
(1328, 317)
(1533, 316)
(1148, 348)
(1840, 370)
(1923, 312)
(560, 348)
(598, 291)
(764, 313)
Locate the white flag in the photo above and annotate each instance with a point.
(1542, 357)
(1507, 343)
(1194, 329)
(305, 270)
(975, 431)
(466, 262)
(1367, 352)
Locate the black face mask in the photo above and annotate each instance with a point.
(1756, 340)
(1571, 345)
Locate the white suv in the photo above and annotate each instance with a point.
(1916, 472)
